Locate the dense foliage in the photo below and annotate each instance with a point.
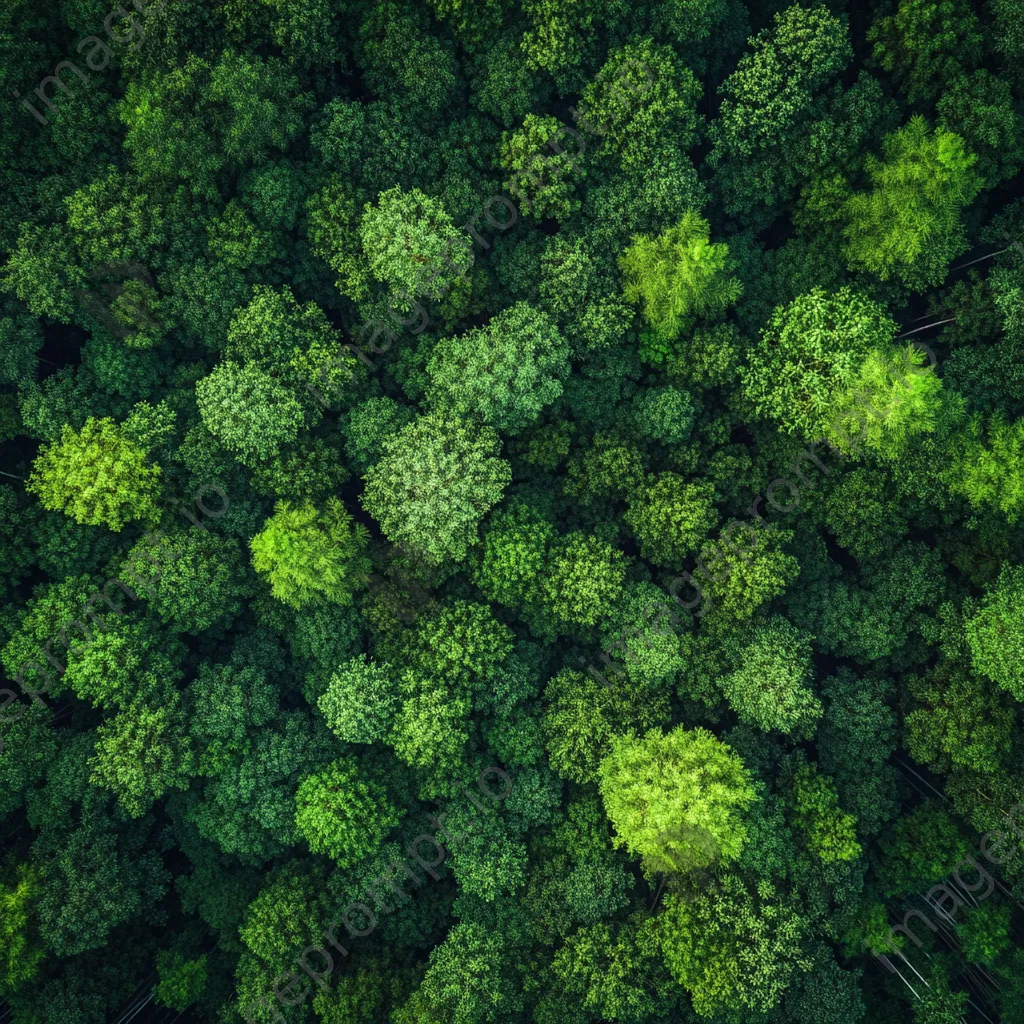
(510, 512)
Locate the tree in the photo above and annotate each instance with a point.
(308, 555)
(504, 85)
(736, 947)
(773, 85)
(226, 704)
(192, 577)
(864, 514)
(515, 548)
(575, 878)
(360, 701)
(23, 953)
(27, 747)
(986, 934)
(652, 784)
(96, 475)
(98, 877)
(920, 849)
(141, 753)
(127, 660)
(941, 1002)
(434, 483)
(828, 832)
(856, 738)
(248, 807)
(958, 720)
(582, 581)
(892, 401)
(38, 273)
(740, 578)
(924, 45)
(643, 99)
(20, 338)
(182, 981)
(412, 245)
(28, 655)
(995, 632)
(671, 517)
(576, 724)
(542, 182)
(283, 914)
(616, 973)
(979, 108)
(811, 353)
(985, 463)
(768, 104)
(236, 239)
(505, 373)
(370, 424)
(294, 344)
(608, 469)
(18, 554)
(1008, 39)
(249, 412)
(908, 226)
(679, 274)
(664, 415)
(403, 58)
(187, 126)
(342, 813)
(470, 978)
(461, 643)
(650, 636)
(769, 686)
(488, 855)
(577, 289)
(431, 728)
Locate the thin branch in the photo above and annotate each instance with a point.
(979, 259)
(926, 327)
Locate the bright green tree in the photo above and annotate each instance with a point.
(96, 475)
(342, 813)
(308, 554)
(471, 978)
(652, 784)
(678, 274)
(909, 226)
(995, 632)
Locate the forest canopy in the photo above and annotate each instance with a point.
(510, 512)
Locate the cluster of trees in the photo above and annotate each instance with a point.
(720, 227)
